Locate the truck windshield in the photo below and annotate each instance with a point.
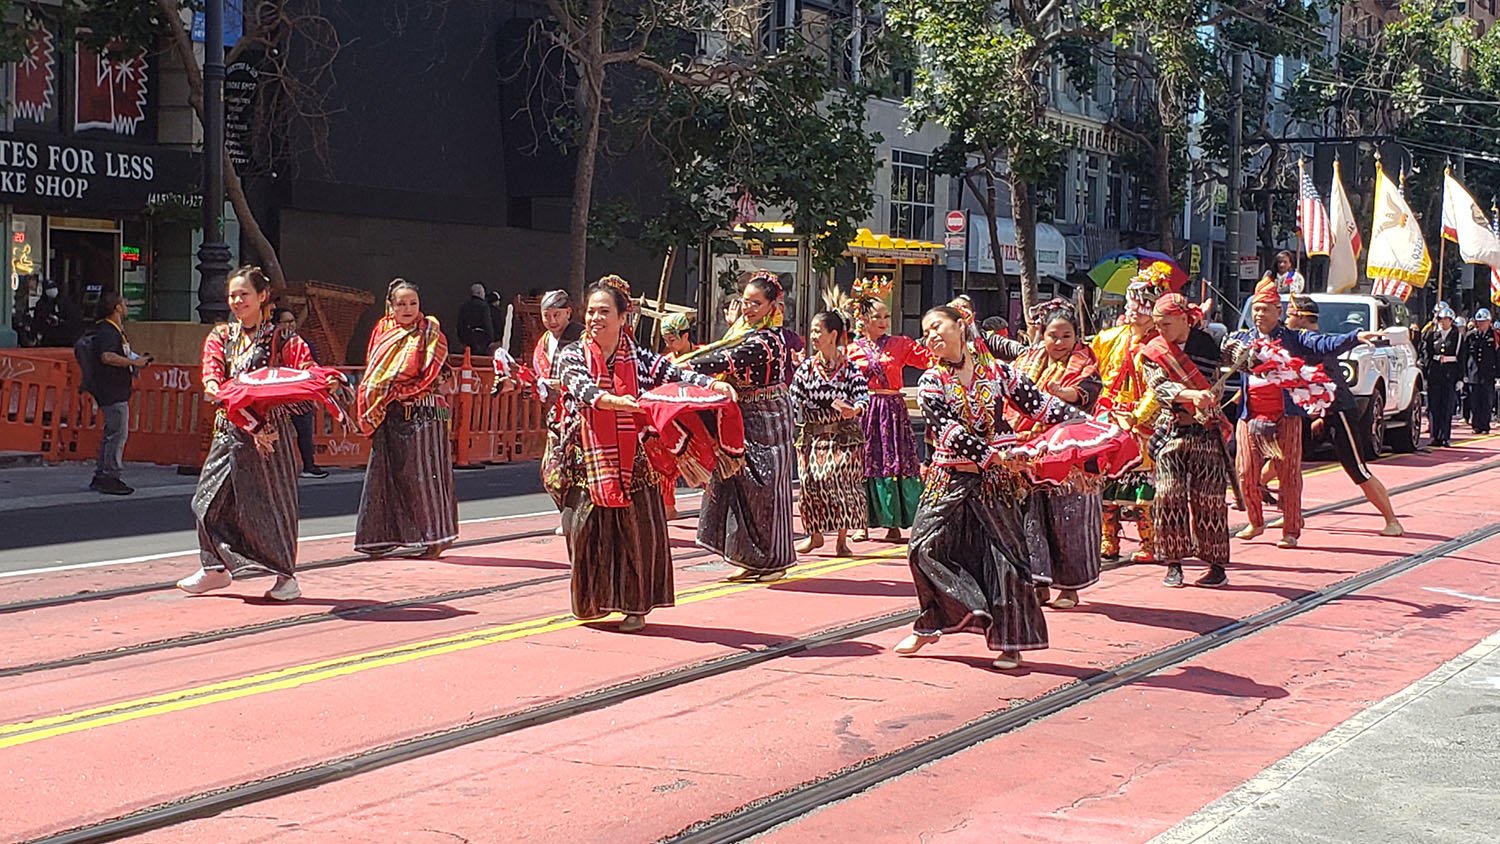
(1341, 317)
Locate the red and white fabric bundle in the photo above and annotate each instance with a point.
(1075, 453)
(1307, 384)
(248, 399)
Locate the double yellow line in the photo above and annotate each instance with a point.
(26, 732)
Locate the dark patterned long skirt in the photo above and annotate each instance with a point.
(892, 474)
(408, 498)
(246, 503)
(622, 559)
(1191, 512)
(967, 555)
(831, 466)
(1063, 533)
(747, 518)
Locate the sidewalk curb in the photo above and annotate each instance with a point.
(1265, 785)
(87, 496)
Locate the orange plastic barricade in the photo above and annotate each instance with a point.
(38, 391)
(335, 445)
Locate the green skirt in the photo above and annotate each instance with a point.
(892, 502)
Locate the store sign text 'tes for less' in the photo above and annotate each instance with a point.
(64, 172)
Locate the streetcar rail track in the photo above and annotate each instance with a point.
(771, 811)
(213, 803)
(333, 562)
(788, 806)
(206, 637)
(224, 634)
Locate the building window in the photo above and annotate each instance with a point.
(1115, 209)
(1093, 199)
(913, 193)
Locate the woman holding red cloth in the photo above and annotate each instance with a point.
(612, 512)
(893, 476)
(408, 499)
(1063, 523)
(246, 500)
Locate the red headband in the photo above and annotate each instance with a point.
(1176, 304)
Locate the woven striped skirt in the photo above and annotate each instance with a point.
(408, 498)
(747, 517)
(246, 502)
(832, 468)
(621, 556)
(967, 556)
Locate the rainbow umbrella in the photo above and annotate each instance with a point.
(1115, 270)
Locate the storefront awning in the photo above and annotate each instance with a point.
(870, 245)
(1051, 249)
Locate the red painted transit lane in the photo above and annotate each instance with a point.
(650, 767)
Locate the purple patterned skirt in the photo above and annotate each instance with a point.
(890, 442)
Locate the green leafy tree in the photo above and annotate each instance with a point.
(980, 73)
(1429, 83)
(757, 114)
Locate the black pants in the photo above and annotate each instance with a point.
(303, 422)
(1482, 395)
(1441, 397)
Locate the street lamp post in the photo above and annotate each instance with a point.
(213, 254)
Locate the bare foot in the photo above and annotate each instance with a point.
(1392, 528)
(843, 550)
(812, 543)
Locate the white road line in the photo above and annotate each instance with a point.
(151, 558)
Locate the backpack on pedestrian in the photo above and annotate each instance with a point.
(86, 352)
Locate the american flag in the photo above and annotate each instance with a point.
(1495, 271)
(1312, 217)
(1391, 287)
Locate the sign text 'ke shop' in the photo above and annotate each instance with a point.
(83, 175)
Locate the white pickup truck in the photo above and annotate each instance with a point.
(1384, 377)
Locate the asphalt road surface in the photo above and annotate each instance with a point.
(128, 528)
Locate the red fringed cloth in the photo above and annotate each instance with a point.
(700, 429)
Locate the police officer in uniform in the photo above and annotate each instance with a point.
(1441, 368)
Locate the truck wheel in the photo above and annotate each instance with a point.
(1372, 426)
(1408, 438)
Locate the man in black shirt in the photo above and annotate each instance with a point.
(115, 365)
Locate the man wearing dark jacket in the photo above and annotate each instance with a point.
(1302, 318)
(1481, 364)
(476, 323)
(110, 381)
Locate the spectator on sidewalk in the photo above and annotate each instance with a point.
(286, 322)
(56, 320)
(109, 381)
(476, 323)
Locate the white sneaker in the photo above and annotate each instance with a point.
(205, 580)
(286, 589)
